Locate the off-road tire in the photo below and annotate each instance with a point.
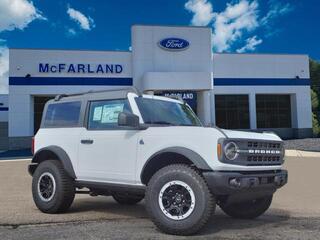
(249, 209)
(65, 189)
(204, 202)
(127, 199)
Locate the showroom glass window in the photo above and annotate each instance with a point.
(64, 114)
(232, 111)
(273, 111)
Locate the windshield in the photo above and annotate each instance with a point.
(154, 111)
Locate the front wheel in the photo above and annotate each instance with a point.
(248, 209)
(178, 200)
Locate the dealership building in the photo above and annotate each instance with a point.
(257, 92)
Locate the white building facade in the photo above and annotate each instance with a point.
(237, 91)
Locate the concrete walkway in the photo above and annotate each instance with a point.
(302, 154)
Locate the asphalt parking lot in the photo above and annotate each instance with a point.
(295, 212)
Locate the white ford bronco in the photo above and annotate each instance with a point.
(133, 146)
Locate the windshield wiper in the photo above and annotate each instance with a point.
(170, 124)
(161, 122)
(185, 124)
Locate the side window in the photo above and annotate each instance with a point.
(104, 114)
(65, 114)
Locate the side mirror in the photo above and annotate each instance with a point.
(128, 120)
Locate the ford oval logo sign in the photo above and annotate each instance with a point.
(174, 44)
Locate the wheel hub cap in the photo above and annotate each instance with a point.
(176, 200)
(46, 186)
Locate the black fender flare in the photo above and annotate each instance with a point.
(194, 157)
(47, 152)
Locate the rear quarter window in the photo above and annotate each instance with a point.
(66, 114)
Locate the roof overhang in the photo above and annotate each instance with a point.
(177, 81)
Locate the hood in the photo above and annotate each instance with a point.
(251, 135)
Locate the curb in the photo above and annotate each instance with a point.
(15, 160)
(299, 153)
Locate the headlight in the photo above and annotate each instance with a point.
(231, 151)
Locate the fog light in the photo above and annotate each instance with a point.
(235, 182)
(278, 180)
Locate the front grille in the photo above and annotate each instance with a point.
(264, 145)
(264, 160)
(256, 152)
(264, 153)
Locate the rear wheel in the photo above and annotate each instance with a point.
(52, 189)
(249, 209)
(178, 200)
(127, 199)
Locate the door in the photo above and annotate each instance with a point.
(107, 152)
(39, 102)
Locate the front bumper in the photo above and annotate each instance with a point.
(245, 185)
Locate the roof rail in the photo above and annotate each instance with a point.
(128, 89)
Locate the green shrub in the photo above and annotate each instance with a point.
(315, 125)
(314, 100)
(315, 95)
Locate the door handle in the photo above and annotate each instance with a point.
(86, 141)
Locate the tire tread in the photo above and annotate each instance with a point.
(199, 178)
(127, 199)
(65, 193)
(243, 211)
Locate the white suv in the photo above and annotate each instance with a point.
(133, 146)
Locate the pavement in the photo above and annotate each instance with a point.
(294, 214)
(306, 144)
(303, 154)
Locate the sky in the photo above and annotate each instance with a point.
(242, 26)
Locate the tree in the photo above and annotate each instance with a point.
(315, 75)
(315, 95)
(314, 100)
(315, 125)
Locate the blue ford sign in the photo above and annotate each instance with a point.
(174, 44)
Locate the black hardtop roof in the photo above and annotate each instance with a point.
(111, 93)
